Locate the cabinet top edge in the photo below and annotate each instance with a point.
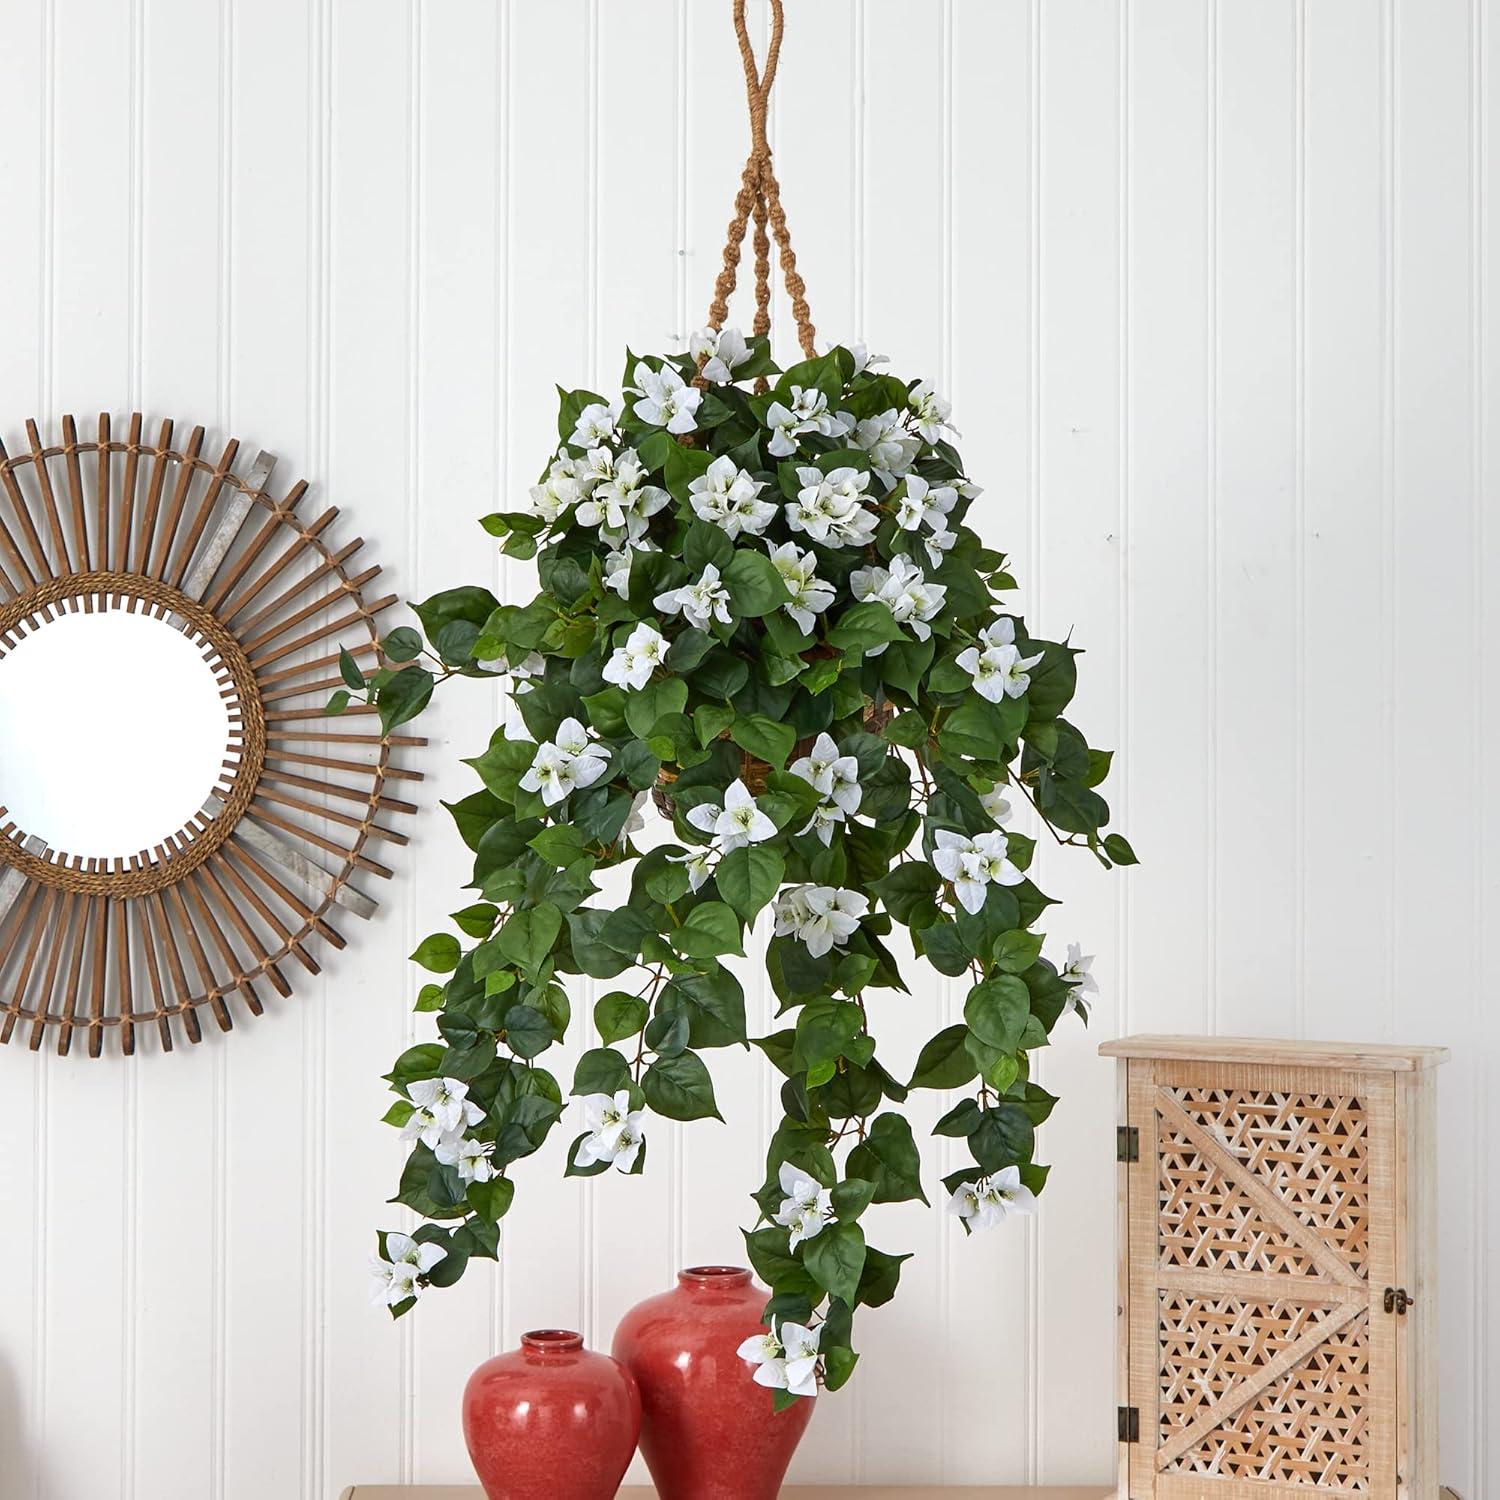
(1249, 1049)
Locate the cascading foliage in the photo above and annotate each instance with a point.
(761, 603)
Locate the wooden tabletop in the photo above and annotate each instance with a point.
(795, 1492)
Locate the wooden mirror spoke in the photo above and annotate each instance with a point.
(207, 918)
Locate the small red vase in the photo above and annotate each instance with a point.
(708, 1432)
(551, 1420)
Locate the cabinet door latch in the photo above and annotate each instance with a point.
(1127, 1143)
(1397, 1300)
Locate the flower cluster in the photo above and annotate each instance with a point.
(763, 610)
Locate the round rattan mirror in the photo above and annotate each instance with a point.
(179, 812)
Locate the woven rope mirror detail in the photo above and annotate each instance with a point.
(179, 813)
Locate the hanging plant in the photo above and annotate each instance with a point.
(764, 617)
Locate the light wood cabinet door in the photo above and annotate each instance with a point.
(1261, 1225)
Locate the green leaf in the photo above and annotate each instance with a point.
(1017, 950)
(619, 1015)
(527, 1031)
(679, 1088)
(888, 1156)
(945, 948)
(710, 720)
(601, 1070)
(491, 1200)
(439, 953)
(944, 1063)
(711, 928)
(404, 697)
(668, 695)
(476, 921)
(528, 935)
(755, 587)
(851, 1198)
(996, 1011)
(559, 844)
(402, 644)
(864, 625)
(351, 671)
(1117, 846)
(765, 738)
(909, 893)
(836, 1258)
(748, 877)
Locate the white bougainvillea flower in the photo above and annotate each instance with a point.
(727, 496)
(666, 400)
(395, 1273)
(973, 864)
(764, 1351)
(785, 1366)
(698, 864)
(471, 1157)
(447, 1101)
(994, 803)
(925, 504)
(892, 449)
(614, 1130)
(565, 764)
(800, 1346)
(632, 664)
(596, 425)
(596, 466)
(806, 1207)
(1081, 983)
(1018, 670)
(938, 545)
(821, 916)
(699, 603)
(830, 507)
(621, 504)
(739, 821)
(1001, 632)
(556, 492)
(988, 668)
(835, 775)
(719, 352)
(904, 590)
(422, 1125)
(930, 413)
(826, 816)
(808, 413)
(989, 1200)
(617, 570)
(863, 359)
(810, 594)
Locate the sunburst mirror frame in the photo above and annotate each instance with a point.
(209, 914)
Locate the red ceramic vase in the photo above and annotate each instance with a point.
(708, 1432)
(551, 1420)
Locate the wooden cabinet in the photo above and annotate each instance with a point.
(1277, 1279)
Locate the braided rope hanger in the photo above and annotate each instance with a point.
(760, 196)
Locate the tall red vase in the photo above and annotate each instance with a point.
(551, 1420)
(708, 1432)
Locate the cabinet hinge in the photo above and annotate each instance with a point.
(1128, 1422)
(1127, 1143)
(1397, 1300)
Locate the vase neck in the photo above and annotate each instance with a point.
(552, 1341)
(713, 1278)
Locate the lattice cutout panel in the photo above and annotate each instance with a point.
(1305, 1428)
(1311, 1150)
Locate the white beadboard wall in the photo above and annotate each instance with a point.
(1213, 287)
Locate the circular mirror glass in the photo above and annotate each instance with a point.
(114, 728)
